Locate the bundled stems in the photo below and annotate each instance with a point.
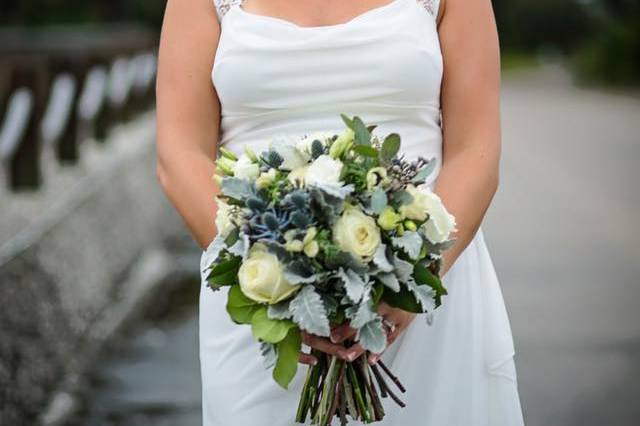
(334, 387)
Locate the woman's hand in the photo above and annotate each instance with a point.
(395, 320)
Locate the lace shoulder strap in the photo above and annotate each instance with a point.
(430, 6)
(223, 6)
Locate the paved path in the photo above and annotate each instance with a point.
(564, 238)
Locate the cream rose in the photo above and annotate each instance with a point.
(417, 209)
(441, 223)
(356, 233)
(244, 168)
(223, 218)
(324, 170)
(291, 156)
(261, 277)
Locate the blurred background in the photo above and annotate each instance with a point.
(99, 280)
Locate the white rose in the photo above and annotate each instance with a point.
(223, 218)
(244, 168)
(356, 233)
(292, 157)
(441, 223)
(261, 277)
(417, 210)
(323, 170)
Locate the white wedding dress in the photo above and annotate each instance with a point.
(275, 77)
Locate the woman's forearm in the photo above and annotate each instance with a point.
(187, 182)
(467, 184)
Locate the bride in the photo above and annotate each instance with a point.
(237, 73)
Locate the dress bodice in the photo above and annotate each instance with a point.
(276, 78)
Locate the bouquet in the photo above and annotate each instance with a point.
(314, 233)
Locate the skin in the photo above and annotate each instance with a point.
(189, 116)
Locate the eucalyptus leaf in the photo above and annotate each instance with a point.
(267, 329)
(423, 173)
(238, 189)
(372, 336)
(362, 134)
(309, 312)
(378, 200)
(347, 121)
(288, 351)
(390, 147)
(410, 242)
(367, 151)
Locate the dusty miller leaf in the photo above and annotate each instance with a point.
(410, 242)
(372, 336)
(309, 312)
(381, 260)
(423, 294)
(354, 284)
(279, 311)
(268, 352)
(389, 280)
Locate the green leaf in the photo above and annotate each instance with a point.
(347, 121)
(403, 299)
(376, 292)
(362, 135)
(288, 350)
(240, 308)
(367, 151)
(390, 147)
(267, 329)
(225, 273)
(423, 276)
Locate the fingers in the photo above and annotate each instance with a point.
(307, 359)
(342, 332)
(354, 352)
(323, 344)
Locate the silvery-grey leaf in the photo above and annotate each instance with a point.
(410, 242)
(308, 311)
(372, 336)
(354, 284)
(403, 270)
(238, 189)
(390, 280)
(429, 317)
(363, 313)
(381, 260)
(268, 351)
(424, 295)
(340, 192)
(213, 250)
(279, 311)
(241, 247)
(378, 200)
(294, 278)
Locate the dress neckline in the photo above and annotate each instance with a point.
(281, 21)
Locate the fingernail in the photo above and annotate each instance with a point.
(373, 359)
(314, 361)
(333, 338)
(351, 356)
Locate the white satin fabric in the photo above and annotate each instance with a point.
(274, 77)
